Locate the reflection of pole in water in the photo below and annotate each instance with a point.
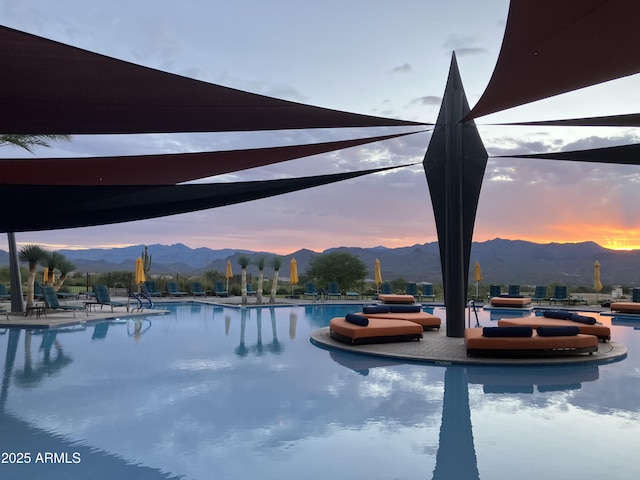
(259, 324)
(293, 323)
(10, 358)
(456, 458)
(227, 324)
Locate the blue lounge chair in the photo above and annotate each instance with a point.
(333, 290)
(250, 290)
(52, 303)
(197, 291)
(514, 290)
(4, 293)
(152, 289)
(103, 298)
(172, 290)
(560, 295)
(385, 289)
(540, 294)
(310, 290)
(411, 289)
(427, 291)
(495, 291)
(220, 290)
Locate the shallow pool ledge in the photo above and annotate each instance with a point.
(437, 348)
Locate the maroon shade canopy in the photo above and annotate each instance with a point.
(52, 88)
(621, 155)
(556, 46)
(165, 169)
(626, 120)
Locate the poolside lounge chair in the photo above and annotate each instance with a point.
(560, 295)
(479, 343)
(172, 290)
(511, 301)
(385, 289)
(495, 291)
(4, 293)
(197, 291)
(52, 303)
(514, 290)
(393, 298)
(377, 330)
(310, 290)
(601, 331)
(625, 307)
(103, 298)
(412, 313)
(250, 290)
(220, 290)
(427, 291)
(152, 289)
(37, 291)
(333, 290)
(411, 289)
(540, 294)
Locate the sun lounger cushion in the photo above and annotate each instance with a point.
(379, 330)
(603, 332)
(625, 307)
(392, 298)
(357, 319)
(425, 320)
(587, 320)
(533, 346)
(510, 301)
(557, 331)
(507, 331)
(376, 309)
(405, 308)
(561, 314)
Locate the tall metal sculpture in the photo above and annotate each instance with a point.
(454, 165)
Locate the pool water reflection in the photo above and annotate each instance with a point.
(211, 392)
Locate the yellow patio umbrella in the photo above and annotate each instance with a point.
(139, 271)
(597, 284)
(45, 276)
(477, 276)
(229, 273)
(378, 275)
(293, 274)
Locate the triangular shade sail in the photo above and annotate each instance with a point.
(165, 169)
(52, 88)
(552, 47)
(626, 120)
(622, 154)
(100, 205)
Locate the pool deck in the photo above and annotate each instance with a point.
(434, 348)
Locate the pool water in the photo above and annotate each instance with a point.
(210, 392)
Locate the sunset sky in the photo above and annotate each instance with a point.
(365, 56)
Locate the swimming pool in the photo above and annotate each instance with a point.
(209, 392)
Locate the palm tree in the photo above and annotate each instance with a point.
(276, 263)
(28, 142)
(260, 263)
(31, 254)
(244, 261)
(65, 267)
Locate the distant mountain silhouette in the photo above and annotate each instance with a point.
(502, 261)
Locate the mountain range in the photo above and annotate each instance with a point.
(502, 261)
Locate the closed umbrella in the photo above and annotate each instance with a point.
(597, 284)
(378, 275)
(229, 273)
(139, 271)
(477, 276)
(45, 276)
(293, 274)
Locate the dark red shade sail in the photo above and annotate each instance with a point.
(82, 206)
(52, 88)
(165, 169)
(622, 154)
(626, 120)
(553, 46)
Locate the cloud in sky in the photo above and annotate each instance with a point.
(375, 59)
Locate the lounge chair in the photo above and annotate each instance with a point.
(310, 290)
(507, 344)
(52, 303)
(625, 307)
(427, 291)
(560, 295)
(103, 298)
(172, 290)
(412, 313)
(511, 301)
(352, 295)
(4, 293)
(385, 289)
(377, 330)
(152, 289)
(514, 290)
(220, 290)
(540, 294)
(393, 298)
(37, 291)
(495, 291)
(601, 331)
(197, 291)
(333, 290)
(411, 289)
(250, 290)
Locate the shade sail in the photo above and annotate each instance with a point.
(101, 205)
(52, 88)
(626, 120)
(165, 169)
(622, 154)
(552, 47)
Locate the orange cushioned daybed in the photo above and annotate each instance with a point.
(412, 313)
(601, 331)
(378, 330)
(511, 302)
(625, 307)
(530, 346)
(393, 298)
